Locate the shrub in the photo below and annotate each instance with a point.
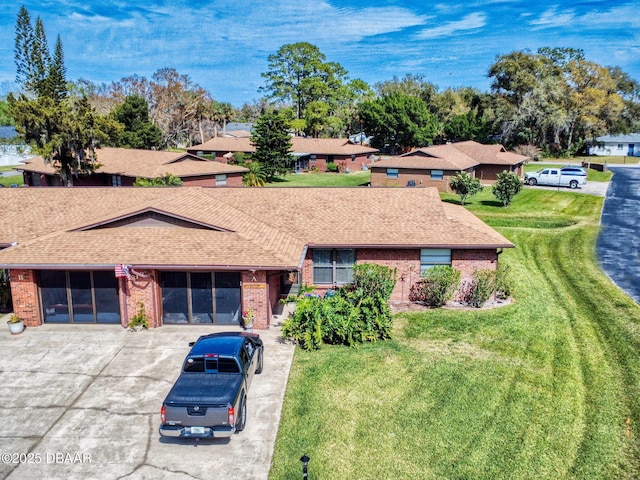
(355, 313)
(503, 281)
(465, 185)
(482, 286)
(507, 187)
(332, 167)
(438, 285)
(372, 278)
(140, 321)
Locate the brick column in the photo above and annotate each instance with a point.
(254, 297)
(24, 293)
(140, 290)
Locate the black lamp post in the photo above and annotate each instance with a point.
(305, 464)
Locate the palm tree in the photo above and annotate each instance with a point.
(255, 177)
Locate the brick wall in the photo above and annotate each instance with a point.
(24, 293)
(407, 264)
(255, 297)
(467, 261)
(140, 290)
(422, 178)
(233, 180)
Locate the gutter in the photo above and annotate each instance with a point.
(111, 266)
(412, 246)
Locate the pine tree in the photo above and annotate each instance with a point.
(273, 145)
(63, 129)
(22, 50)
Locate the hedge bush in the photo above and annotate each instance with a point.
(438, 285)
(356, 313)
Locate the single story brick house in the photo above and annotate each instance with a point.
(617, 145)
(204, 255)
(121, 166)
(434, 166)
(310, 153)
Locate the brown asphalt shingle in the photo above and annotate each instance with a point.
(260, 226)
(144, 164)
(453, 156)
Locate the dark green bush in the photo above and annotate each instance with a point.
(332, 167)
(356, 313)
(438, 285)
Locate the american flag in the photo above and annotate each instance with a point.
(122, 271)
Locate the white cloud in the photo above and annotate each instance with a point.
(551, 18)
(472, 21)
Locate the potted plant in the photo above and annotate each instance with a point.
(140, 321)
(16, 325)
(247, 319)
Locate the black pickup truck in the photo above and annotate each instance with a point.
(209, 399)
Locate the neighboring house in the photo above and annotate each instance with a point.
(121, 166)
(203, 255)
(10, 152)
(434, 166)
(310, 153)
(617, 145)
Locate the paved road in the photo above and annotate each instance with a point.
(618, 245)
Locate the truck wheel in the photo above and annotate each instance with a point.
(532, 182)
(242, 415)
(260, 359)
(573, 184)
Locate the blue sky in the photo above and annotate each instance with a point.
(223, 45)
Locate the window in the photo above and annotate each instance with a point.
(430, 257)
(620, 146)
(116, 181)
(333, 267)
(353, 158)
(392, 173)
(221, 180)
(437, 174)
(35, 179)
(313, 157)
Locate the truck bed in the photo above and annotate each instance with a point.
(204, 389)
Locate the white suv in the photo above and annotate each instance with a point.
(563, 177)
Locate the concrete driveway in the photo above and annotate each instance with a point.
(83, 402)
(591, 188)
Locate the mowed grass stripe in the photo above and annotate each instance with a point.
(537, 389)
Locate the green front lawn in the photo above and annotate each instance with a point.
(354, 179)
(541, 388)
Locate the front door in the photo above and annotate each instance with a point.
(631, 150)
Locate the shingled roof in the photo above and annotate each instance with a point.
(453, 156)
(144, 164)
(232, 227)
(300, 145)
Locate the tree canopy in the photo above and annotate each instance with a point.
(273, 144)
(555, 98)
(139, 131)
(63, 128)
(399, 122)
